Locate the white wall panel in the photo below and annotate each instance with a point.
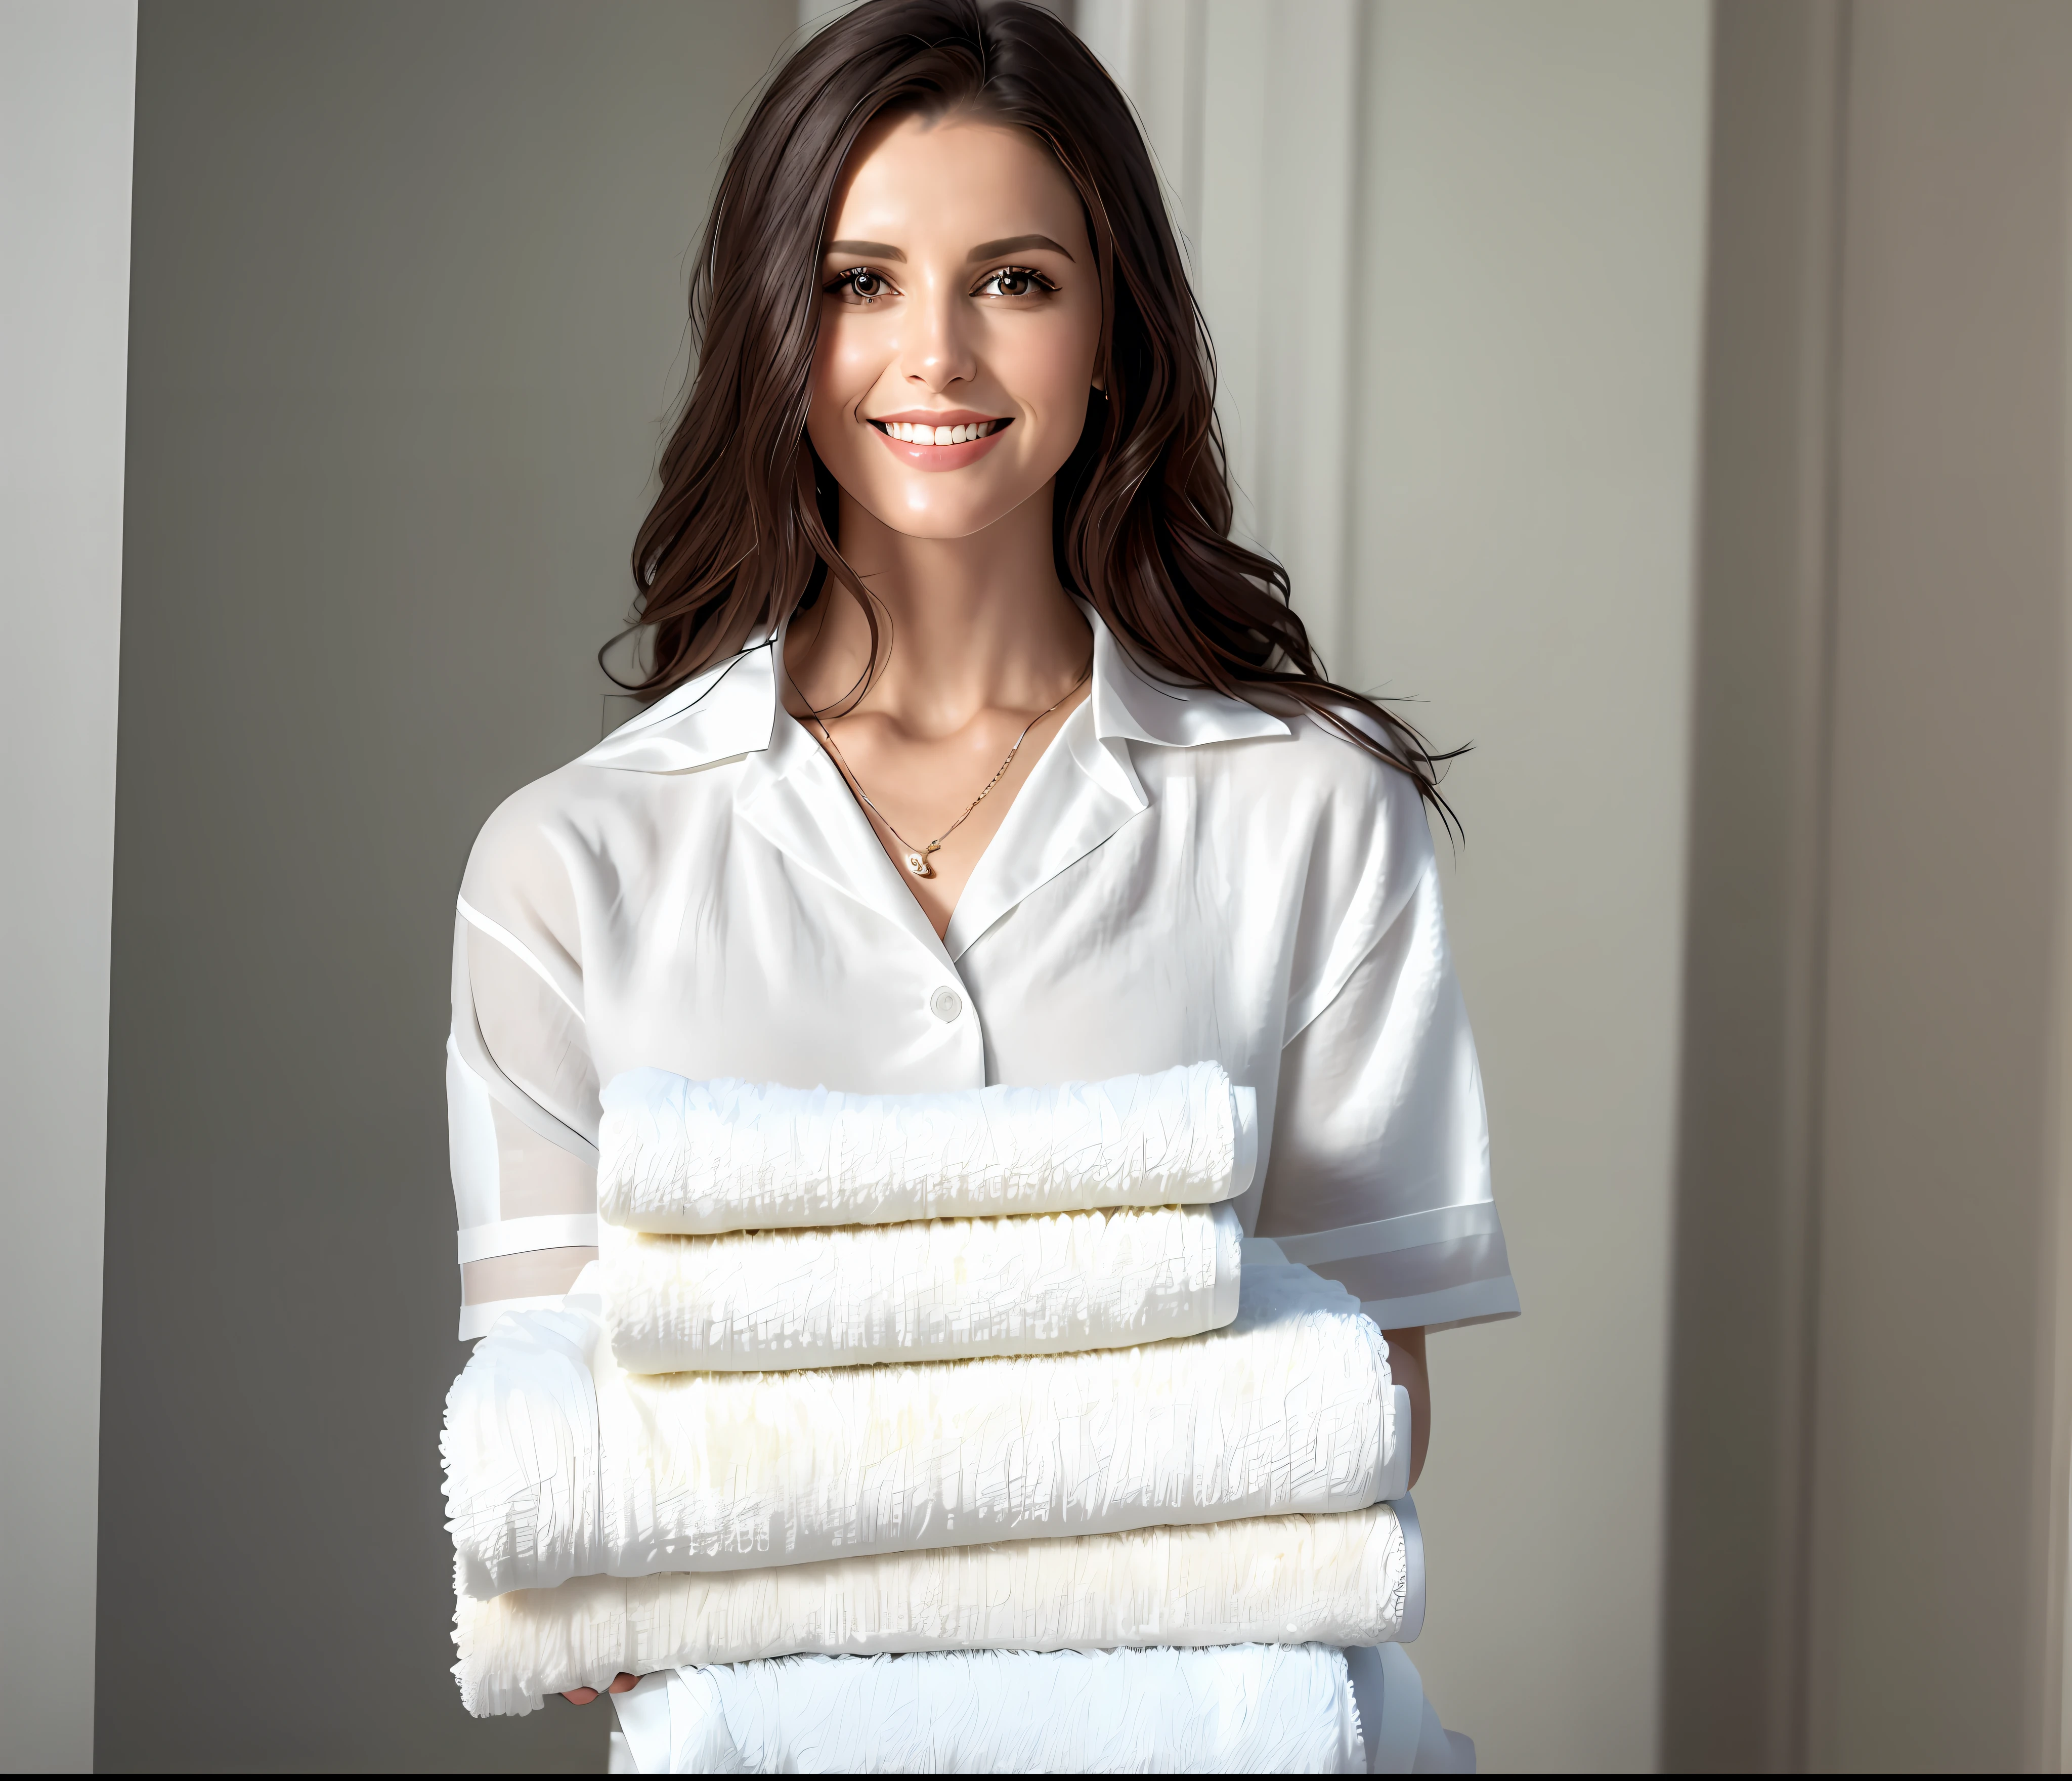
(1252, 108)
(68, 89)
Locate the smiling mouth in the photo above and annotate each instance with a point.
(914, 432)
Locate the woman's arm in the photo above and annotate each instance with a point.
(1406, 1367)
(582, 1697)
(523, 1094)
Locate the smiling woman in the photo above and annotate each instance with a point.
(1064, 238)
(982, 757)
(946, 346)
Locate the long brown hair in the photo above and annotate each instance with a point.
(742, 530)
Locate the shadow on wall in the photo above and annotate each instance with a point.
(407, 311)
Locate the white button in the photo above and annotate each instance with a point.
(946, 1004)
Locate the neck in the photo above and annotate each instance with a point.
(963, 623)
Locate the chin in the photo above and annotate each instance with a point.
(940, 518)
(945, 526)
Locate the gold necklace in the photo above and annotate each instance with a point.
(917, 857)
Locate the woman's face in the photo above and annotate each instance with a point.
(960, 296)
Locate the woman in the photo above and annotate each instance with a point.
(981, 753)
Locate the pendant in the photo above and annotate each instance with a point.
(917, 865)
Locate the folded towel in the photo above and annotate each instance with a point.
(1329, 1579)
(946, 1290)
(700, 1158)
(559, 1464)
(1230, 1710)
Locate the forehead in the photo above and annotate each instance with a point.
(918, 178)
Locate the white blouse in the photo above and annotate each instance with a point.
(1182, 877)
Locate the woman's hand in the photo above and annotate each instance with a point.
(582, 1697)
(1406, 1367)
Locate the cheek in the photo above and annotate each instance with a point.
(1054, 358)
(842, 374)
(1051, 368)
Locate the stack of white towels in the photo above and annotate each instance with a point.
(945, 1432)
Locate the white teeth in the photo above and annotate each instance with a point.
(919, 433)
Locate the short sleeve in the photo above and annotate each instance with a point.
(1379, 1174)
(521, 1088)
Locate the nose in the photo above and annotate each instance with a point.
(937, 351)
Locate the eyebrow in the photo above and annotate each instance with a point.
(985, 250)
(1015, 243)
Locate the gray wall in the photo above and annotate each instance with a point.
(1939, 1449)
(408, 305)
(1868, 1535)
(66, 72)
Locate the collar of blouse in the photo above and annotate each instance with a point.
(1082, 790)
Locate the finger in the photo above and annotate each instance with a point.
(623, 1681)
(579, 1697)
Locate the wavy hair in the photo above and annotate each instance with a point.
(743, 531)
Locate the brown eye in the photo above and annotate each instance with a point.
(861, 283)
(1014, 282)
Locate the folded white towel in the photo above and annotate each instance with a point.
(1329, 1579)
(560, 1465)
(1230, 1710)
(944, 1290)
(700, 1158)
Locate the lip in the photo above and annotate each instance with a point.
(936, 456)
